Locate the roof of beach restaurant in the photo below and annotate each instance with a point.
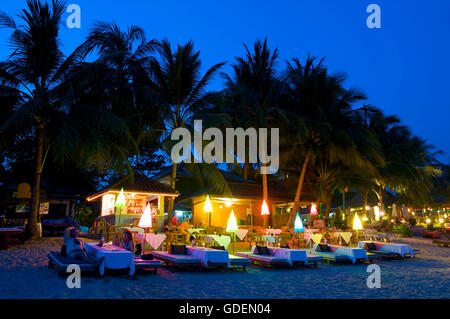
(136, 184)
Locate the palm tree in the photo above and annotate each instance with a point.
(182, 92)
(411, 164)
(35, 76)
(331, 136)
(255, 93)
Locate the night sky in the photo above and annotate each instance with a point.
(402, 67)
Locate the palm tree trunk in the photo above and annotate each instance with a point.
(246, 167)
(172, 185)
(299, 188)
(32, 229)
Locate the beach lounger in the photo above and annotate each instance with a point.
(314, 260)
(181, 261)
(56, 260)
(441, 243)
(237, 261)
(145, 264)
(339, 254)
(265, 258)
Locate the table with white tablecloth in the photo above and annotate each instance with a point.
(273, 231)
(292, 255)
(222, 240)
(401, 249)
(195, 230)
(155, 240)
(115, 257)
(207, 255)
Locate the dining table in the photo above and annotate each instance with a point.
(222, 240)
(155, 240)
(114, 257)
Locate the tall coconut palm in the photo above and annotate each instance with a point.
(34, 76)
(332, 137)
(410, 162)
(255, 93)
(182, 91)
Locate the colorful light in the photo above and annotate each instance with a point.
(264, 209)
(146, 218)
(120, 201)
(357, 223)
(441, 220)
(298, 226)
(232, 224)
(207, 208)
(428, 220)
(313, 211)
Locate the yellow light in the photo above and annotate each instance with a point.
(357, 223)
(445, 216)
(228, 203)
(146, 218)
(367, 207)
(232, 224)
(441, 220)
(428, 220)
(365, 218)
(265, 209)
(376, 210)
(207, 208)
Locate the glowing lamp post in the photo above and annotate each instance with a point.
(313, 211)
(120, 203)
(376, 210)
(357, 225)
(265, 212)
(232, 226)
(145, 222)
(298, 226)
(207, 208)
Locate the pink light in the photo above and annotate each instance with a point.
(314, 210)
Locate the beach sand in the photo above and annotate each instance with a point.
(24, 274)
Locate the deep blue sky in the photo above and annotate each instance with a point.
(403, 67)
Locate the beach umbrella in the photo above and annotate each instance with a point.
(298, 226)
(394, 210)
(232, 227)
(207, 208)
(313, 211)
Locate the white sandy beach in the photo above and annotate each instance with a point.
(24, 274)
